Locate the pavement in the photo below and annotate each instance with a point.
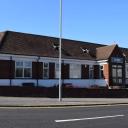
(54, 102)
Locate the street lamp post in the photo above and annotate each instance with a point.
(60, 56)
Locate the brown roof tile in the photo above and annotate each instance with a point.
(2, 34)
(104, 52)
(36, 45)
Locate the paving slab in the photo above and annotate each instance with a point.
(54, 102)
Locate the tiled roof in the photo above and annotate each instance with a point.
(2, 34)
(37, 45)
(103, 53)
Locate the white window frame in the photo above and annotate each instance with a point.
(23, 67)
(117, 76)
(71, 71)
(47, 69)
(126, 71)
(91, 68)
(56, 70)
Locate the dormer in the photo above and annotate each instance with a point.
(85, 50)
(55, 46)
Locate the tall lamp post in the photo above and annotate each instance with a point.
(60, 56)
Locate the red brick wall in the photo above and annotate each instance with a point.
(106, 71)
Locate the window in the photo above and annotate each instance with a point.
(91, 71)
(101, 71)
(27, 69)
(120, 81)
(45, 70)
(117, 74)
(117, 71)
(57, 71)
(117, 60)
(75, 71)
(56, 46)
(126, 71)
(23, 69)
(126, 81)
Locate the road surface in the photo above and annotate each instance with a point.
(72, 117)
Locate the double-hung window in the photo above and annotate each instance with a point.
(23, 69)
(117, 74)
(91, 71)
(75, 71)
(126, 73)
(45, 70)
(101, 71)
(57, 70)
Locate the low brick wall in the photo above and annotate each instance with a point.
(66, 92)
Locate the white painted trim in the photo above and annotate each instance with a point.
(47, 69)
(79, 61)
(80, 83)
(44, 59)
(4, 57)
(71, 72)
(23, 69)
(91, 67)
(126, 71)
(7, 57)
(68, 61)
(100, 61)
(56, 70)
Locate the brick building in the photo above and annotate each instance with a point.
(29, 58)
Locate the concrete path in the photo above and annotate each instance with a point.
(54, 102)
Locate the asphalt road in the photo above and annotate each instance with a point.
(76, 117)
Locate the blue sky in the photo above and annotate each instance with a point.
(98, 21)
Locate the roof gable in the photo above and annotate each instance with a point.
(105, 52)
(2, 35)
(117, 52)
(125, 53)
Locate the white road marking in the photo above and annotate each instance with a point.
(92, 118)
